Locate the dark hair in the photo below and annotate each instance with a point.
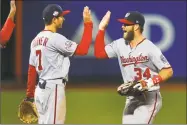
(141, 29)
(48, 21)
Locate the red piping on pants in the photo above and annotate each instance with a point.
(153, 109)
(55, 104)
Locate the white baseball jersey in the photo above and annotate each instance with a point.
(50, 55)
(142, 62)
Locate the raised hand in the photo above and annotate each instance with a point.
(12, 9)
(87, 14)
(104, 22)
(12, 6)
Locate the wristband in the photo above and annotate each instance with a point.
(157, 79)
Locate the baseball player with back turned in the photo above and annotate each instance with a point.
(49, 58)
(140, 60)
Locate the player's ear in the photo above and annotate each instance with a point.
(54, 20)
(136, 27)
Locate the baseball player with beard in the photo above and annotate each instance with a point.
(49, 58)
(141, 62)
(6, 31)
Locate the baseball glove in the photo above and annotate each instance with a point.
(126, 89)
(27, 111)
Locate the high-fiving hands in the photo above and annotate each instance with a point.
(12, 6)
(87, 15)
(104, 22)
(12, 9)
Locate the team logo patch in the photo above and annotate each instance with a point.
(164, 60)
(68, 45)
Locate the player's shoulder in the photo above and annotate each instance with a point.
(147, 41)
(119, 41)
(149, 44)
(58, 35)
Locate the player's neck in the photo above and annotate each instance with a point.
(137, 39)
(50, 28)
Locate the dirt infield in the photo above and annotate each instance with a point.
(177, 86)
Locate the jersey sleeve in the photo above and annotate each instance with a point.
(64, 45)
(31, 59)
(6, 31)
(111, 49)
(158, 59)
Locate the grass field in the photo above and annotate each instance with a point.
(98, 106)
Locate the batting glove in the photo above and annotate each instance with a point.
(144, 84)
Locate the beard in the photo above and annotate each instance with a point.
(59, 25)
(129, 37)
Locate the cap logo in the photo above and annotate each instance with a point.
(55, 13)
(127, 14)
(137, 21)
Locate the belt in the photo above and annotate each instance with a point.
(43, 84)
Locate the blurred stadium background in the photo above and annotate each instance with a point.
(91, 90)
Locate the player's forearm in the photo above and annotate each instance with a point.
(31, 82)
(82, 48)
(12, 10)
(6, 31)
(99, 48)
(165, 74)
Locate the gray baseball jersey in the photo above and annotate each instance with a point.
(142, 62)
(50, 55)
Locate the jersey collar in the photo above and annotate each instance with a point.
(47, 30)
(138, 43)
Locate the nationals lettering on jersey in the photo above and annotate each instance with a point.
(142, 62)
(50, 54)
(133, 60)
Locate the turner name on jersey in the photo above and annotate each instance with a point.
(40, 41)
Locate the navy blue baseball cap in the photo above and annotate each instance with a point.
(53, 10)
(133, 17)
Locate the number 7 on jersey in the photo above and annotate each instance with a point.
(39, 53)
